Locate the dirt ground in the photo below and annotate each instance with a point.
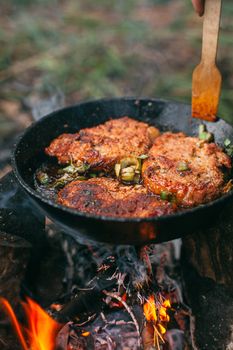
(60, 52)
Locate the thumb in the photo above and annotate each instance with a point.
(198, 6)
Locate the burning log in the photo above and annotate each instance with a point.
(208, 273)
(88, 300)
(110, 331)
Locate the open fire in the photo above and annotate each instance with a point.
(156, 313)
(40, 334)
(138, 310)
(42, 330)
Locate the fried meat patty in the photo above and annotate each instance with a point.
(105, 196)
(104, 145)
(186, 168)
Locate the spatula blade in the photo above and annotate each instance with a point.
(206, 89)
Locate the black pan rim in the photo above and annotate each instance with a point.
(79, 214)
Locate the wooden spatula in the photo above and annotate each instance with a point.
(206, 84)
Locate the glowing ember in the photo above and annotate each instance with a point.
(85, 334)
(41, 331)
(156, 313)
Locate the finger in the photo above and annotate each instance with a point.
(198, 6)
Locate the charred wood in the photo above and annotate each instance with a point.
(89, 300)
(113, 331)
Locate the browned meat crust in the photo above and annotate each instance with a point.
(103, 145)
(204, 164)
(105, 196)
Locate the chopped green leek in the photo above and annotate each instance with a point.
(204, 134)
(127, 174)
(228, 147)
(165, 195)
(43, 178)
(182, 166)
(117, 170)
(227, 142)
(129, 170)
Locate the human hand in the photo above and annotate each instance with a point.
(199, 6)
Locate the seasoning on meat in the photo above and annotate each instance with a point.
(102, 146)
(108, 197)
(185, 169)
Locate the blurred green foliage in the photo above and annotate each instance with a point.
(90, 49)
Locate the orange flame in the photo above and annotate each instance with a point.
(42, 329)
(156, 313)
(150, 309)
(10, 312)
